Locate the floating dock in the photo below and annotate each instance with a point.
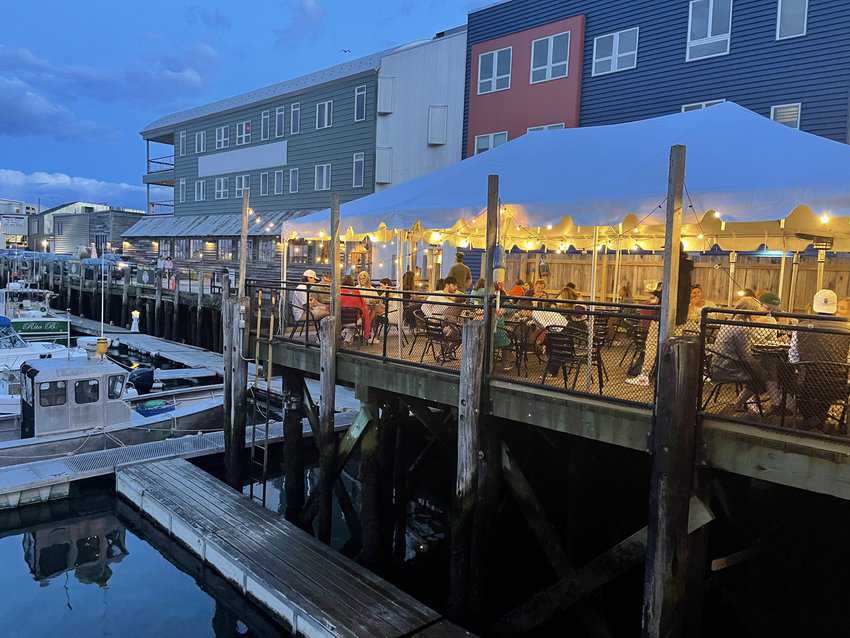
(312, 588)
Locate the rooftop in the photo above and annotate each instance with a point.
(227, 225)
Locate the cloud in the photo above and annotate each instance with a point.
(212, 19)
(154, 80)
(57, 187)
(306, 22)
(24, 111)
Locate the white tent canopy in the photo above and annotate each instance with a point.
(738, 162)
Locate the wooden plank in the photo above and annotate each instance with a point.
(443, 629)
(327, 438)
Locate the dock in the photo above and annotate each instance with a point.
(312, 588)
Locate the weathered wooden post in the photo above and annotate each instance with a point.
(175, 309)
(199, 308)
(235, 383)
(327, 406)
(125, 296)
(293, 449)
(66, 283)
(468, 447)
(107, 293)
(157, 310)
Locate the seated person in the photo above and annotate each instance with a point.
(300, 299)
(350, 297)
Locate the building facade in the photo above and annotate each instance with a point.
(58, 230)
(785, 59)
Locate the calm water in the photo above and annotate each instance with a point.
(85, 571)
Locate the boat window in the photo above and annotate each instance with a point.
(116, 385)
(87, 391)
(52, 393)
(10, 339)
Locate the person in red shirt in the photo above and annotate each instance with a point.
(351, 299)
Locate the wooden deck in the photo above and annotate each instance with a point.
(312, 588)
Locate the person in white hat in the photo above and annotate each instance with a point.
(300, 299)
(823, 357)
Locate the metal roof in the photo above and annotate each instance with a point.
(353, 67)
(197, 226)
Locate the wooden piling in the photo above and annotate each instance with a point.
(157, 311)
(293, 448)
(198, 308)
(466, 482)
(175, 310)
(327, 442)
(673, 436)
(125, 297)
(235, 384)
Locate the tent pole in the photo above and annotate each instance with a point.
(590, 318)
(821, 264)
(617, 263)
(795, 269)
(399, 274)
(782, 261)
(730, 292)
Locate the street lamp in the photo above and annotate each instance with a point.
(45, 244)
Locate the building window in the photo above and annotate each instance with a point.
(201, 142)
(264, 183)
(787, 114)
(182, 144)
(709, 29)
(226, 249)
(293, 180)
(615, 52)
(278, 182)
(438, 124)
(698, 106)
(489, 141)
(87, 391)
(279, 119)
(494, 71)
(360, 103)
(164, 247)
(58, 228)
(265, 125)
(200, 190)
(243, 184)
(322, 180)
(325, 114)
(222, 137)
(182, 188)
(550, 57)
(221, 188)
(295, 119)
(181, 249)
(359, 169)
(546, 127)
(792, 19)
(266, 250)
(243, 132)
(196, 246)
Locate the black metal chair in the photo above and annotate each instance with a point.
(302, 325)
(351, 320)
(443, 348)
(419, 321)
(740, 374)
(560, 354)
(636, 334)
(822, 385)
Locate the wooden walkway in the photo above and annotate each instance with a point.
(312, 588)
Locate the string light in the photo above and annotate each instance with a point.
(824, 219)
(718, 214)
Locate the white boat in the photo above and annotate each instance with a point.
(29, 311)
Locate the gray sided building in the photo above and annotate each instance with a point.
(290, 144)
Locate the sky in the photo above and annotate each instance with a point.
(79, 80)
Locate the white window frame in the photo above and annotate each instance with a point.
(181, 148)
(329, 114)
(779, 20)
(495, 53)
(200, 190)
(265, 125)
(278, 182)
(264, 184)
(359, 92)
(557, 126)
(710, 38)
(243, 138)
(242, 183)
(222, 137)
(326, 173)
(201, 142)
(686, 108)
(295, 118)
(182, 190)
(294, 177)
(548, 66)
(615, 52)
(490, 137)
(361, 158)
(222, 190)
(279, 121)
(799, 106)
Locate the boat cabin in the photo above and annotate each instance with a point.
(64, 395)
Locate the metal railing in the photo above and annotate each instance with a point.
(776, 370)
(161, 164)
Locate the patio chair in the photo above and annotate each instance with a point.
(443, 348)
(636, 334)
(821, 386)
(740, 374)
(560, 354)
(351, 323)
(299, 326)
(418, 321)
(579, 337)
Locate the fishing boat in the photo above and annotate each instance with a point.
(28, 308)
(71, 406)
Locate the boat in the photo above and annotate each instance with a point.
(72, 406)
(29, 310)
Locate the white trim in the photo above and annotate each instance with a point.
(279, 118)
(805, 22)
(698, 106)
(181, 148)
(182, 190)
(221, 188)
(329, 114)
(550, 41)
(358, 157)
(489, 137)
(615, 52)
(264, 177)
(265, 125)
(358, 91)
(278, 182)
(222, 137)
(200, 190)
(245, 136)
(295, 108)
(296, 173)
(241, 183)
(200, 142)
(797, 105)
(496, 76)
(326, 177)
(710, 38)
(557, 126)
